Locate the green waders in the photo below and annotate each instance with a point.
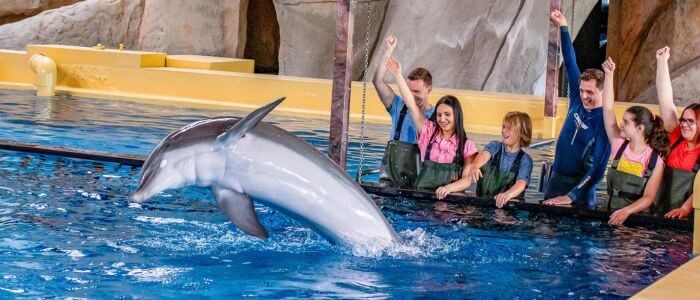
(623, 188)
(495, 181)
(676, 187)
(433, 174)
(401, 159)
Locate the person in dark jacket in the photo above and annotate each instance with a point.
(583, 148)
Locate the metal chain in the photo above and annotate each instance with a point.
(364, 91)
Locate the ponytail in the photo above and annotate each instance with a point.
(657, 137)
(654, 132)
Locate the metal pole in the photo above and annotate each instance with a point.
(342, 70)
(551, 93)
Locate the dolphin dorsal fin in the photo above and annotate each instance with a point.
(241, 127)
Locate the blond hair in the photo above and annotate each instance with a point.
(522, 124)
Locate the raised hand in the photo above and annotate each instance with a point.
(393, 65)
(390, 42)
(557, 17)
(663, 54)
(609, 66)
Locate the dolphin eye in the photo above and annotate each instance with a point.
(163, 163)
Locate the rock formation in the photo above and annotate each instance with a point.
(636, 29)
(82, 24)
(15, 10)
(174, 26)
(473, 44)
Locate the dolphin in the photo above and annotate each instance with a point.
(244, 159)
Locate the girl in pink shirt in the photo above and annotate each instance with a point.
(442, 140)
(635, 174)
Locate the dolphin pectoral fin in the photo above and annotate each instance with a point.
(241, 127)
(239, 209)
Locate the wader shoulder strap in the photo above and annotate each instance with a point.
(652, 164)
(458, 159)
(696, 167)
(427, 151)
(515, 168)
(496, 159)
(402, 117)
(618, 155)
(650, 167)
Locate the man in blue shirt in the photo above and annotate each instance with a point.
(420, 81)
(583, 148)
(401, 156)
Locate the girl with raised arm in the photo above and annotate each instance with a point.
(637, 144)
(442, 140)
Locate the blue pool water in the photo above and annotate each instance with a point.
(68, 229)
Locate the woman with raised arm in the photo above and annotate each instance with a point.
(636, 171)
(442, 140)
(674, 199)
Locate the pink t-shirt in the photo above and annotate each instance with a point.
(443, 151)
(631, 163)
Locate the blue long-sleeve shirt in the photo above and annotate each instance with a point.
(582, 148)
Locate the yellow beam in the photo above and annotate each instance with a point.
(14, 67)
(210, 63)
(121, 75)
(106, 57)
(696, 209)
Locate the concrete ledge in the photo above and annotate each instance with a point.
(210, 63)
(107, 57)
(681, 284)
(143, 76)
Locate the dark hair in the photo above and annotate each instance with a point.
(594, 74)
(421, 74)
(695, 107)
(654, 131)
(453, 102)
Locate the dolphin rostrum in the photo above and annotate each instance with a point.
(246, 159)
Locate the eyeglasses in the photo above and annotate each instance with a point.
(689, 122)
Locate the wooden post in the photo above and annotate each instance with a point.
(551, 90)
(342, 70)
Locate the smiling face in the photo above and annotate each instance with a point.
(445, 117)
(689, 126)
(420, 91)
(628, 127)
(510, 135)
(590, 95)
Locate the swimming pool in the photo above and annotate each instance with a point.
(67, 228)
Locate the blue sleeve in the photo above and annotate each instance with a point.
(601, 154)
(492, 147)
(395, 105)
(572, 71)
(525, 170)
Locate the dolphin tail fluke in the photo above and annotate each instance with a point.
(241, 127)
(239, 209)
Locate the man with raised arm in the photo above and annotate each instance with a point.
(401, 157)
(583, 148)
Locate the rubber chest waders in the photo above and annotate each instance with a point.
(624, 188)
(433, 174)
(676, 187)
(495, 181)
(401, 159)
